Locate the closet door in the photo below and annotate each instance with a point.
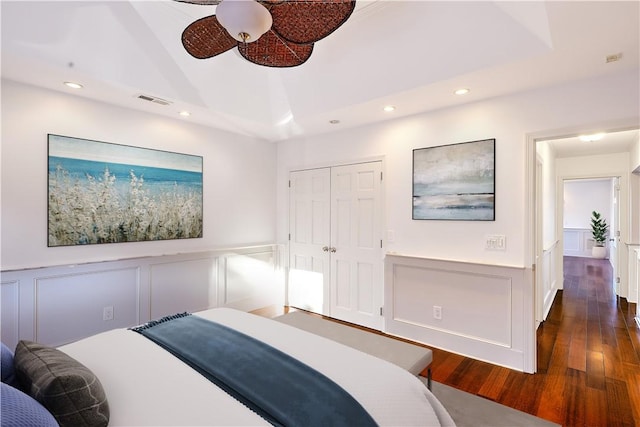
(309, 239)
(356, 293)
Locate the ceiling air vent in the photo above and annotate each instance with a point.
(154, 99)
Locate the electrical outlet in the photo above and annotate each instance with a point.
(107, 313)
(437, 312)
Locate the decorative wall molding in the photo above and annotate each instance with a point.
(577, 242)
(182, 283)
(550, 280)
(10, 310)
(246, 276)
(416, 286)
(58, 305)
(634, 275)
(71, 305)
(486, 310)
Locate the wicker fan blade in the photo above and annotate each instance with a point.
(205, 38)
(201, 2)
(272, 50)
(307, 21)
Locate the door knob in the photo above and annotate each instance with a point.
(333, 249)
(325, 248)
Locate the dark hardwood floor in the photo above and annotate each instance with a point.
(588, 357)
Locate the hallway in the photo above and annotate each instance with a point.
(588, 358)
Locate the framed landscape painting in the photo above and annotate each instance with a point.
(109, 193)
(455, 182)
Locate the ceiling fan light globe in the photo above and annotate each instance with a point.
(244, 20)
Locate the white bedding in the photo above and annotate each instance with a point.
(147, 386)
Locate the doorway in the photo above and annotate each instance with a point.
(335, 242)
(558, 156)
(581, 199)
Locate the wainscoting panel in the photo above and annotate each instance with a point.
(180, 286)
(62, 300)
(577, 242)
(9, 298)
(247, 277)
(486, 310)
(417, 290)
(549, 271)
(634, 274)
(57, 305)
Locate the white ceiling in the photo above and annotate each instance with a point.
(611, 143)
(412, 54)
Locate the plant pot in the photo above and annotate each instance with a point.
(599, 252)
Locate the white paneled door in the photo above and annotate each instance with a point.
(336, 255)
(309, 228)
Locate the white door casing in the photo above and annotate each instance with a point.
(538, 249)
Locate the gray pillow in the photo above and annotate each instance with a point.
(68, 389)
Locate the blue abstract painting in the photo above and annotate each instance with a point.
(455, 182)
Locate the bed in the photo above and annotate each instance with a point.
(146, 385)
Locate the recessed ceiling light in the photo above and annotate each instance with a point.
(73, 85)
(592, 137)
(185, 113)
(389, 108)
(334, 121)
(462, 91)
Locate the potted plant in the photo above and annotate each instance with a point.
(599, 233)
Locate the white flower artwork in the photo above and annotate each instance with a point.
(109, 193)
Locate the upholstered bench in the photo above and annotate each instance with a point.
(408, 356)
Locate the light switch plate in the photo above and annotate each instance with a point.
(496, 242)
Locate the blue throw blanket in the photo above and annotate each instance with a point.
(281, 389)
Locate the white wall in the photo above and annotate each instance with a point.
(634, 188)
(582, 197)
(603, 166)
(507, 119)
(634, 226)
(547, 257)
(547, 156)
(635, 156)
(510, 120)
(238, 172)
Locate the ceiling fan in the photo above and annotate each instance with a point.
(273, 33)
